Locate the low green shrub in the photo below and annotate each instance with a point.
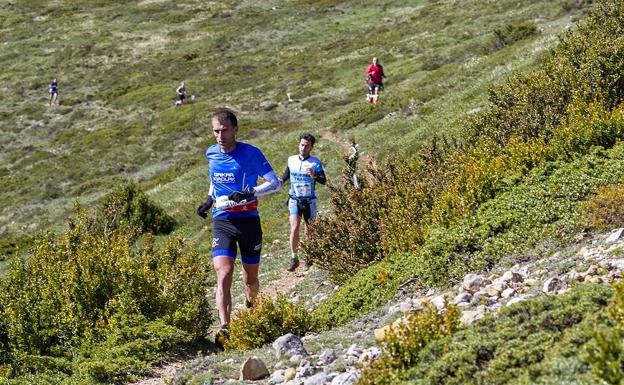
(605, 209)
(511, 33)
(538, 213)
(402, 344)
(87, 289)
(606, 352)
(537, 341)
(266, 321)
(128, 207)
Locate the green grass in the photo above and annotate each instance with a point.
(118, 65)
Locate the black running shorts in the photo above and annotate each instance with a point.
(246, 232)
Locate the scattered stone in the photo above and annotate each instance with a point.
(552, 285)
(380, 334)
(317, 379)
(462, 296)
(463, 305)
(253, 369)
(508, 293)
(470, 316)
(277, 377)
(492, 291)
(327, 357)
(512, 276)
(354, 351)
(473, 282)
(430, 292)
(348, 378)
(289, 374)
(617, 264)
(615, 235)
(290, 345)
(439, 301)
(296, 359)
(268, 105)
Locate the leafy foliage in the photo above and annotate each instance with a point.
(604, 209)
(128, 207)
(436, 208)
(606, 352)
(266, 321)
(95, 295)
(403, 344)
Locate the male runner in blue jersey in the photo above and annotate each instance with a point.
(304, 171)
(234, 171)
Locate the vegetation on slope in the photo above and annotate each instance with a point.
(517, 180)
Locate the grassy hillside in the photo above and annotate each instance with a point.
(118, 64)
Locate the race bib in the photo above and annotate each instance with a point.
(303, 189)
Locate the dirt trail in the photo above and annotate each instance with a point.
(284, 284)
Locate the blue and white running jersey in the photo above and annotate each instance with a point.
(235, 171)
(53, 88)
(301, 184)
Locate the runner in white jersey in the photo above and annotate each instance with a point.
(304, 171)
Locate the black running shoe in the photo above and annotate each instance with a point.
(294, 263)
(248, 304)
(221, 336)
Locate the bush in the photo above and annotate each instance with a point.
(511, 33)
(570, 107)
(83, 287)
(606, 352)
(266, 321)
(403, 344)
(605, 209)
(128, 207)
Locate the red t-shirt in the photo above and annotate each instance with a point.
(376, 73)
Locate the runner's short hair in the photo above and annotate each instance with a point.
(309, 137)
(224, 115)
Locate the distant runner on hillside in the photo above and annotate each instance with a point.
(374, 80)
(304, 171)
(53, 92)
(181, 91)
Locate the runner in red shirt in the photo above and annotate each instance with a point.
(374, 79)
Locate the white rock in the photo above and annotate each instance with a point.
(463, 305)
(327, 357)
(512, 276)
(552, 284)
(615, 235)
(438, 302)
(473, 282)
(288, 345)
(354, 351)
(462, 296)
(617, 264)
(317, 379)
(277, 377)
(508, 293)
(253, 369)
(348, 378)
